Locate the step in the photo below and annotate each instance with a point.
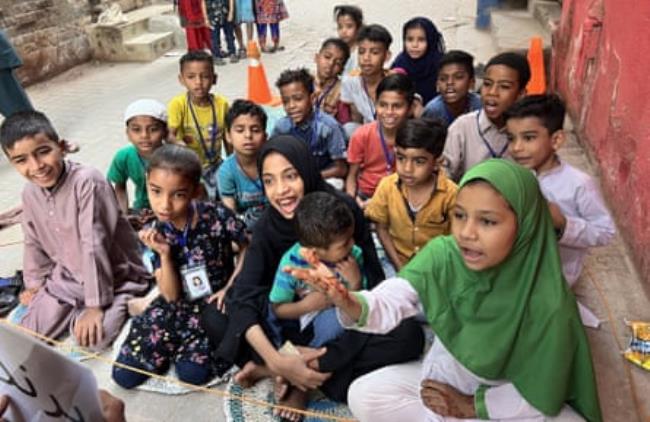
(513, 29)
(148, 47)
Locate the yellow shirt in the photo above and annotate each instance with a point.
(411, 231)
(180, 118)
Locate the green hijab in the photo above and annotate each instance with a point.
(517, 321)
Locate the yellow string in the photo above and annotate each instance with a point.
(17, 242)
(637, 403)
(198, 388)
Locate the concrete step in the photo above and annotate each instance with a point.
(512, 30)
(148, 47)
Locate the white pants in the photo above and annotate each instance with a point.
(393, 394)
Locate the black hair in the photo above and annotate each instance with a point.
(242, 107)
(375, 33)
(549, 109)
(177, 159)
(515, 61)
(458, 57)
(422, 133)
(24, 124)
(321, 217)
(348, 10)
(301, 76)
(338, 43)
(400, 83)
(197, 56)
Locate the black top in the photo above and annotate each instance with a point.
(273, 235)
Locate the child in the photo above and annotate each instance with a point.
(146, 128)
(190, 239)
(479, 135)
(580, 217)
(349, 20)
(81, 258)
(455, 83)
(423, 49)
(219, 17)
(269, 12)
(192, 16)
(196, 117)
(413, 206)
(509, 344)
(319, 131)
(325, 227)
(329, 64)
(245, 15)
(359, 92)
(371, 153)
(239, 183)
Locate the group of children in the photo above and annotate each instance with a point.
(382, 136)
(206, 20)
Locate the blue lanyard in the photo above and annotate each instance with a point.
(390, 158)
(485, 141)
(324, 95)
(369, 99)
(312, 141)
(183, 239)
(209, 153)
(257, 182)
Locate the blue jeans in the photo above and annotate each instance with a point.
(325, 327)
(227, 29)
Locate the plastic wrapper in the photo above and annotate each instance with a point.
(638, 351)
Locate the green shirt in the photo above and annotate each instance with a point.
(127, 164)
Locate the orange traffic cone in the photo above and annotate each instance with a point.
(258, 86)
(537, 83)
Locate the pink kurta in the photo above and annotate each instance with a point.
(80, 252)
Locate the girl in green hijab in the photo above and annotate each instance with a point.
(509, 342)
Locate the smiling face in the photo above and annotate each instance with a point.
(415, 42)
(146, 134)
(339, 249)
(170, 195)
(392, 109)
(483, 225)
(38, 158)
(246, 135)
(297, 101)
(454, 83)
(530, 144)
(329, 63)
(499, 91)
(197, 77)
(347, 29)
(415, 166)
(283, 186)
(372, 55)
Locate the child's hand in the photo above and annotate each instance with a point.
(27, 295)
(559, 221)
(362, 204)
(89, 328)
(155, 241)
(444, 400)
(219, 299)
(349, 270)
(231, 15)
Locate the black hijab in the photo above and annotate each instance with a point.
(273, 235)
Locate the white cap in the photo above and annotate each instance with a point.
(146, 107)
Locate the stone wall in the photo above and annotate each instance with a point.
(49, 35)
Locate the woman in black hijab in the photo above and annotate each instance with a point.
(288, 173)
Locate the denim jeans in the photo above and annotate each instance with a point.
(227, 29)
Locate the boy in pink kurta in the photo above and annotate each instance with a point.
(81, 256)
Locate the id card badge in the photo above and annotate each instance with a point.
(195, 282)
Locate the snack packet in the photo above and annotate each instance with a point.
(638, 351)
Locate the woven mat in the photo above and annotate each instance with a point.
(242, 411)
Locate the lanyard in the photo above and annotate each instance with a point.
(369, 98)
(183, 239)
(257, 182)
(326, 92)
(209, 153)
(312, 141)
(485, 141)
(390, 157)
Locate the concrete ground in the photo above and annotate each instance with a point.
(86, 105)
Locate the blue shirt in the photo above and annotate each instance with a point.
(250, 201)
(329, 144)
(437, 109)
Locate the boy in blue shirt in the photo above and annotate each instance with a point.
(240, 187)
(323, 135)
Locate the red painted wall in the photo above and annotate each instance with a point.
(601, 67)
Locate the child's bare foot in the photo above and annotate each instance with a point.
(27, 296)
(295, 399)
(251, 373)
